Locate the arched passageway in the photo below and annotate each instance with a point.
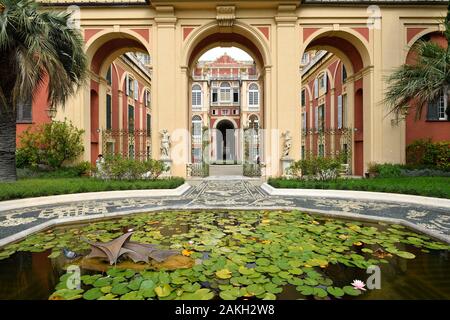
(333, 98)
(119, 119)
(226, 142)
(225, 92)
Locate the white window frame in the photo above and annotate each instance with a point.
(253, 95)
(442, 106)
(147, 98)
(196, 96)
(225, 93)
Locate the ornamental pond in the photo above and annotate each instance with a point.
(229, 255)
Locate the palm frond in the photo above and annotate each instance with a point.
(41, 49)
(416, 85)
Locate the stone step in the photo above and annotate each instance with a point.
(226, 170)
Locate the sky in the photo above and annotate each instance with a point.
(234, 52)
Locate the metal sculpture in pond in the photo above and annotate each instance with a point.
(123, 247)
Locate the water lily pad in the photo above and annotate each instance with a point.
(263, 262)
(335, 291)
(255, 289)
(405, 254)
(163, 291)
(351, 291)
(102, 282)
(133, 295)
(120, 288)
(200, 294)
(66, 294)
(305, 290)
(223, 274)
(269, 296)
(93, 294)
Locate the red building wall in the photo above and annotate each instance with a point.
(423, 128)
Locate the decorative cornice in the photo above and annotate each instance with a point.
(225, 16)
(165, 16)
(286, 15)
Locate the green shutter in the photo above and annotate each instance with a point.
(432, 112)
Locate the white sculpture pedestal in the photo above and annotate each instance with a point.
(285, 164)
(168, 165)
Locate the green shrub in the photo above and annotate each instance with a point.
(316, 168)
(428, 154)
(119, 168)
(50, 145)
(389, 170)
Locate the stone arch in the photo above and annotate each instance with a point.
(420, 35)
(240, 35)
(105, 46)
(351, 47)
(436, 34)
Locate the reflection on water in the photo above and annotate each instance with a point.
(27, 275)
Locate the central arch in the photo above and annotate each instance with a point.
(225, 135)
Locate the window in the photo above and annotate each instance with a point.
(253, 95)
(196, 96)
(304, 114)
(149, 153)
(130, 118)
(108, 112)
(437, 108)
(323, 82)
(196, 155)
(214, 112)
(214, 96)
(320, 117)
(253, 122)
(109, 76)
(130, 83)
(149, 125)
(305, 58)
(147, 98)
(225, 92)
(131, 151)
(225, 112)
(197, 126)
(316, 88)
(236, 95)
(303, 153)
(24, 111)
(344, 73)
(303, 98)
(344, 111)
(321, 150)
(235, 112)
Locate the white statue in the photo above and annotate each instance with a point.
(287, 144)
(165, 144)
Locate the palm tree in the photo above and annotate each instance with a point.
(36, 47)
(416, 85)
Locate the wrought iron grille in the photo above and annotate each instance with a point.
(328, 142)
(135, 144)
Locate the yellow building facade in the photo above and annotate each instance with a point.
(371, 38)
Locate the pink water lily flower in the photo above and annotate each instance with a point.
(359, 285)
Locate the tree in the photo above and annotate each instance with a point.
(37, 49)
(416, 85)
